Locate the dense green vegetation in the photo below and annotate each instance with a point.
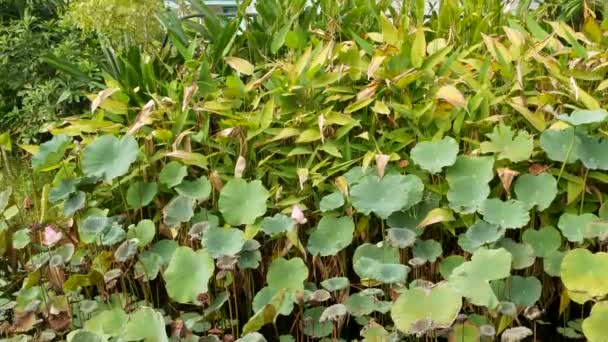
(338, 170)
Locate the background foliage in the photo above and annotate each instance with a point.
(344, 169)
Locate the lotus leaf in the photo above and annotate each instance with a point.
(482, 233)
(510, 214)
(249, 259)
(147, 325)
(428, 250)
(585, 273)
(592, 152)
(465, 332)
(332, 201)
(113, 235)
(471, 279)
(468, 179)
(595, 327)
(21, 238)
(91, 228)
(576, 227)
(173, 173)
(265, 295)
(312, 326)
(507, 145)
(188, 274)
(51, 152)
(552, 263)
(333, 313)
(543, 241)
(84, 336)
(335, 284)
(252, 337)
(242, 202)
(107, 323)
(516, 334)
(331, 235)
(178, 210)
(287, 274)
(524, 291)
(108, 157)
(560, 145)
(440, 304)
(223, 241)
(144, 231)
(584, 117)
(148, 265)
(199, 189)
(126, 251)
(74, 203)
(165, 249)
(401, 237)
(382, 254)
(277, 224)
(449, 264)
(537, 191)
(386, 195)
(359, 304)
(268, 314)
(522, 253)
(61, 192)
(433, 156)
(140, 194)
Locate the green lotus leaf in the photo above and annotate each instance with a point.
(524, 291)
(108, 157)
(592, 152)
(522, 253)
(268, 314)
(331, 235)
(359, 304)
(584, 117)
(107, 323)
(126, 251)
(178, 210)
(509, 214)
(277, 224)
(552, 263)
(335, 284)
(428, 250)
(332, 201)
(21, 238)
(448, 264)
(287, 274)
(412, 217)
(386, 195)
(585, 273)
(249, 259)
(440, 305)
(537, 191)
(383, 254)
(242, 202)
(91, 228)
(252, 337)
(144, 232)
(59, 193)
(65, 251)
(595, 327)
(173, 173)
(51, 152)
(465, 332)
(468, 179)
(401, 237)
(140, 194)
(482, 233)
(199, 189)
(145, 324)
(507, 145)
(188, 274)
(165, 249)
(560, 145)
(543, 241)
(265, 295)
(374, 332)
(432, 156)
(311, 325)
(148, 265)
(74, 203)
(5, 196)
(471, 279)
(113, 235)
(333, 313)
(223, 241)
(83, 336)
(576, 227)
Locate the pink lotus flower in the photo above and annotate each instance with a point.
(51, 236)
(297, 215)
